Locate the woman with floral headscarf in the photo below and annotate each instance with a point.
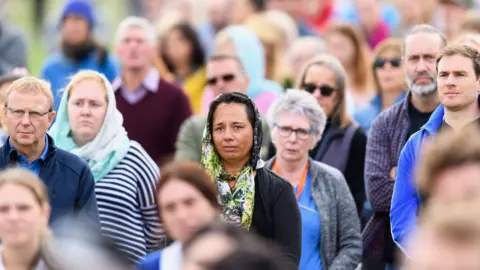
(90, 126)
(250, 195)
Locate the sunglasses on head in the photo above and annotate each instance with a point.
(394, 62)
(325, 90)
(225, 78)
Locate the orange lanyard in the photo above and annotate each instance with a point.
(303, 178)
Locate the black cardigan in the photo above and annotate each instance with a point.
(276, 216)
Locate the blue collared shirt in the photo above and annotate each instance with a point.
(35, 165)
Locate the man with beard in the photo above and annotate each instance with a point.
(391, 130)
(79, 50)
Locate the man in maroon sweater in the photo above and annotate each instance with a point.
(153, 109)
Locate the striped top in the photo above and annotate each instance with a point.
(127, 206)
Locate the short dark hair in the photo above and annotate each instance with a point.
(192, 174)
(228, 98)
(224, 56)
(465, 51)
(259, 5)
(425, 29)
(190, 34)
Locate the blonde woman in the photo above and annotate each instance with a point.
(90, 126)
(24, 214)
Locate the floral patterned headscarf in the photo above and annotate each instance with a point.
(237, 203)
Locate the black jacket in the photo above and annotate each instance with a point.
(276, 216)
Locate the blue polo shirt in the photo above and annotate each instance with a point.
(311, 258)
(23, 161)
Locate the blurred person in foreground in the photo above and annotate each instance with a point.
(251, 196)
(28, 114)
(448, 237)
(225, 73)
(79, 49)
(343, 142)
(187, 200)
(241, 41)
(330, 224)
(389, 133)
(389, 81)
(458, 68)
(449, 167)
(24, 214)
(152, 108)
(222, 246)
(89, 125)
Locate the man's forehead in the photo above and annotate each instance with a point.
(455, 63)
(223, 65)
(417, 41)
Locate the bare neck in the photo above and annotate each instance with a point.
(425, 103)
(20, 258)
(31, 152)
(291, 170)
(459, 119)
(133, 79)
(182, 69)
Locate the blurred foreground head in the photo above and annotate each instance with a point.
(224, 246)
(449, 168)
(79, 246)
(449, 237)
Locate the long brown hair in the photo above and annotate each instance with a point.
(362, 75)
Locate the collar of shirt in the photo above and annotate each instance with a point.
(23, 159)
(150, 82)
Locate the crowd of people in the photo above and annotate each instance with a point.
(276, 134)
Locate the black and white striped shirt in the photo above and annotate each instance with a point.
(127, 205)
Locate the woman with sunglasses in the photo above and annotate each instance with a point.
(389, 81)
(330, 226)
(343, 143)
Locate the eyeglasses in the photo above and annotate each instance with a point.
(34, 115)
(300, 133)
(394, 62)
(226, 78)
(325, 90)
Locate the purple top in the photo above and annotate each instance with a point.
(150, 83)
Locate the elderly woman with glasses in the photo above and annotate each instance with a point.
(330, 226)
(343, 143)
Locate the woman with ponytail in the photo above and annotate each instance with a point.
(24, 214)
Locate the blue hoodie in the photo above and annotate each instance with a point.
(406, 199)
(250, 51)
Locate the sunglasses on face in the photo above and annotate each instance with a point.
(394, 62)
(325, 90)
(226, 78)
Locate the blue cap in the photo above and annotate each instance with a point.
(80, 8)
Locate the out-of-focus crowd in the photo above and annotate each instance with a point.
(242, 134)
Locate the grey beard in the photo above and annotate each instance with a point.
(421, 90)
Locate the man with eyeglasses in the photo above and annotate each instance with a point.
(390, 132)
(225, 73)
(28, 114)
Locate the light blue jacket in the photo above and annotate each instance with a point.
(406, 199)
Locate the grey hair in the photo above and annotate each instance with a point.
(301, 102)
(425, 29)
(133, 21)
